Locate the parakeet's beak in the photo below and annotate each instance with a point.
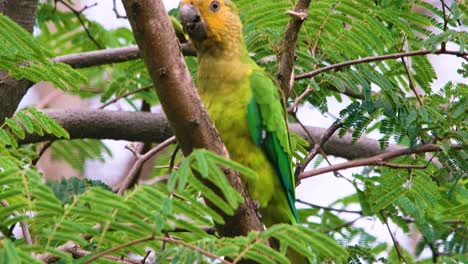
(192, 22)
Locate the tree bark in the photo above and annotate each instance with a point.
(180, 101)
(12, 90)
(288, 57)
(154, 127)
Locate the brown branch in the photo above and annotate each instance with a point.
(375, 160)
(42, 150)
(153, 127)
(318, 146)
(444, 13)
(403, 166)
(349, 223)
(380, 58)
(12, 90)
(320, 31)
(78, 14)
(146, 88)
(395, 242)
(286, 66)
(299, 98)
(150, 238)
(107, 56)
(116, 11)
(329, 208)
(180, 101)
(23, 224)
(411, 82)
(77, 252)
(140, 160)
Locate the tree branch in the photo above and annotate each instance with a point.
(107, 56)
(80, 19)
(152, 237)
(378, 160)
(325, 208)
(12, 90)
(179, 98)
(395, 242)
(318, 146)
(153, 127)
(23, 224)
(380, 58)
(286, 66)
(146, 88)
(77, 252)
(140, 160)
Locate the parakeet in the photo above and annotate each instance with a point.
(244, 104)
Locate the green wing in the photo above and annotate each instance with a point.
(267, 124)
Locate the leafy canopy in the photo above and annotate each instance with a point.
(432, 199)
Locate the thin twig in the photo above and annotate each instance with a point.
(141, 159)
(173, 157)
(299, 169)
(311, 74)
(246, 249)
(116, 11)
(403, 166)
(444, 44)
(78, 14)
(150, 238)
(395, 242)
(23, 224)
(435, 253)
(49, 98)
(77, 252)
(350, 223)
(329, 208)
(143, 261)
(375, 160)
(146, 88)
(43, 149)
(320, 31)
(318, 146)
(299, 98)
(411, 82)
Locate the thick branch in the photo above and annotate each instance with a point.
(153, 127)
(179, 98)
(101, 57)
(12, 90)
(375, 160)
(286, 68)
(379, 58)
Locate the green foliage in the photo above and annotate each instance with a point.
(77, 152)
(70, 210)
(431, 200)
(28, 121)
(20, 48)
(65, 189)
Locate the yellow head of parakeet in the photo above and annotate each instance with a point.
(211, 23)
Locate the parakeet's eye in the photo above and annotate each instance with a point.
(215, 6)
